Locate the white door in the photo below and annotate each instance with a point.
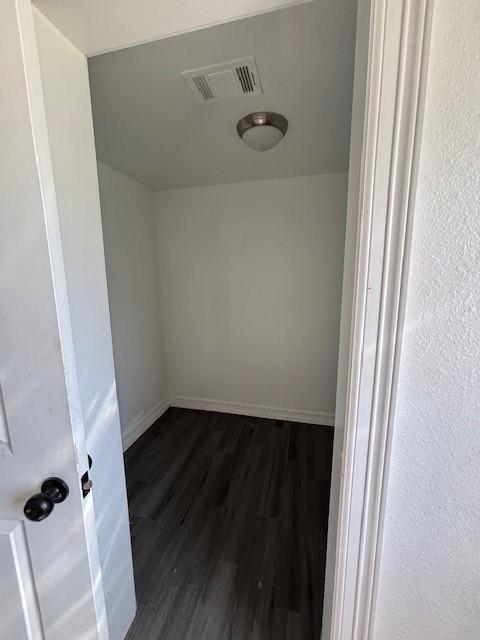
(50, 581)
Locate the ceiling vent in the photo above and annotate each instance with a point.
(224, 81)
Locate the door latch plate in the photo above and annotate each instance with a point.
(86, 480)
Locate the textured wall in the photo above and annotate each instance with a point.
(430, 573)
(251, 284)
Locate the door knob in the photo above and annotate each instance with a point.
(40, 505)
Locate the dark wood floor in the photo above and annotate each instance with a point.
(229, 523)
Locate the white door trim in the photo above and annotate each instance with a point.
(398, 49)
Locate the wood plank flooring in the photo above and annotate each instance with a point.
(229, 524)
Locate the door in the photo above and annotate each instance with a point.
(51, 583)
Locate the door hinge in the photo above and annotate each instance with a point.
(86, 480)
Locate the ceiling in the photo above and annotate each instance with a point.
(149, 126)
(97, 26)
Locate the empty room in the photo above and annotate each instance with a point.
(223, 224)
(239, 320)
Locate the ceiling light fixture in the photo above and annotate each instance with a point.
(262, 130)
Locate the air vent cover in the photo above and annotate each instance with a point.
(224, 81)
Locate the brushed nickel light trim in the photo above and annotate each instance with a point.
(262, 118)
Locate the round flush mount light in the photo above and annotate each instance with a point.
(263, 130)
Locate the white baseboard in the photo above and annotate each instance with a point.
(309, 417)
(144, 422)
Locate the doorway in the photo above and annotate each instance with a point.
(382, 191)
(224, 269)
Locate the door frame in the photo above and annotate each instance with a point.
(382, 186)
(382, 202)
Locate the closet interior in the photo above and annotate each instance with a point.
(224, 246)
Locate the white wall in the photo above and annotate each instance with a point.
(129, 230)
(70, 129)
(96, 27)
(251, 282)
(430, 569)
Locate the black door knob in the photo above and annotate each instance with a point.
(40, 505)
